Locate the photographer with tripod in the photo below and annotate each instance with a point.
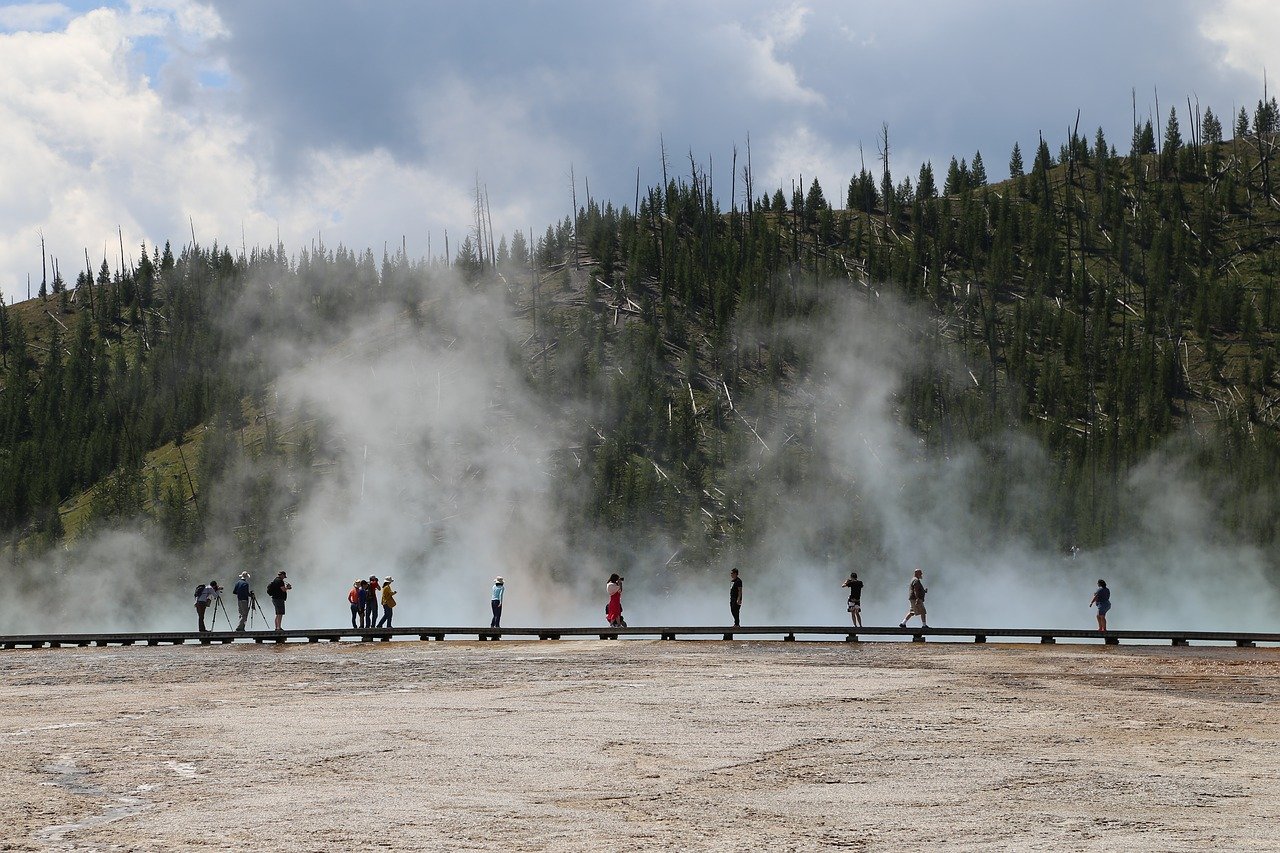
(205, 595)
(244, 598)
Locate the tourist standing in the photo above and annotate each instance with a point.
(388, 602)
(243, 594)
(855, 598)
(735, 595)
(371, 602)
(915, 595)
(205, 594)
(613, 610)
(1101, 598)
(278, 591)
(353, 597)
(495, 601)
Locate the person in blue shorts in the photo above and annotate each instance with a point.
(1101, 598)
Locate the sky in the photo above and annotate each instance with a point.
(366, 124)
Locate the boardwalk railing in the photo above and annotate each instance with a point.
(784, 632)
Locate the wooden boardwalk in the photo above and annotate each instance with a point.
(786, 633)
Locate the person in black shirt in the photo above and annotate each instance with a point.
(278, 590)
(735, 595)
(855, 598)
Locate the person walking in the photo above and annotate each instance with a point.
(278, 591)
(206, 593)
(388, 603)
(243, 594)
(735, 595)
(495, 601)
(371, 602)
(915, 595)
(1101, 598)
(613, 610)
(354, 598)
(855, 598)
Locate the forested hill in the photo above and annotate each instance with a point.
(1108, 303)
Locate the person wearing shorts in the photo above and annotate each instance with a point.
(915, 596)
(278, 589)
(855, 598)
(1102, 599)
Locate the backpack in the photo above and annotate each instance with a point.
(273, 589)
(199, 590)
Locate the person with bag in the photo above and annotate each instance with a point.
(205, 595)
(278, 590)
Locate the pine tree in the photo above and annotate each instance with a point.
(1210, 127)
(1015, 162)
(1242, 124)
(926, 187)
(977, 171)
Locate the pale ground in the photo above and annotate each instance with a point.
(635, 745)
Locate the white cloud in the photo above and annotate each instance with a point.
(89, 146)
(766, 75)
(1249, 32)
(32, 17)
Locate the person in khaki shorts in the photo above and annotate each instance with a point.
(915, 594)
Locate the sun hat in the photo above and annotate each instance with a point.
(498, 579)
(387, 579)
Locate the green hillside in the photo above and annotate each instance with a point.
(1108, 304)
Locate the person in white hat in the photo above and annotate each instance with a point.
(388, 602)
(499, 587)
(243, 596)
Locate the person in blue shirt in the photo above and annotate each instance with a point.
(1102, 598)
(243, 596)
(495, 601)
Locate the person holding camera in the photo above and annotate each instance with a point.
(613, 610)
(206, 594)
(243, 596)
(278, 590)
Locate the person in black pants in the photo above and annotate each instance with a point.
(735, 596)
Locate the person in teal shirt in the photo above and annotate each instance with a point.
(496, 602)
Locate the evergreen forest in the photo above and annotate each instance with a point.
(1110, 299)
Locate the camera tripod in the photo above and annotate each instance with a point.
(219, 606)
(255, 606)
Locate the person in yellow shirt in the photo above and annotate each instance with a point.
(388, 603)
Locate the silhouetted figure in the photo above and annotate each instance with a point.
(735, 595)
(1101, 598)
(855, 598)
(915, 595)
